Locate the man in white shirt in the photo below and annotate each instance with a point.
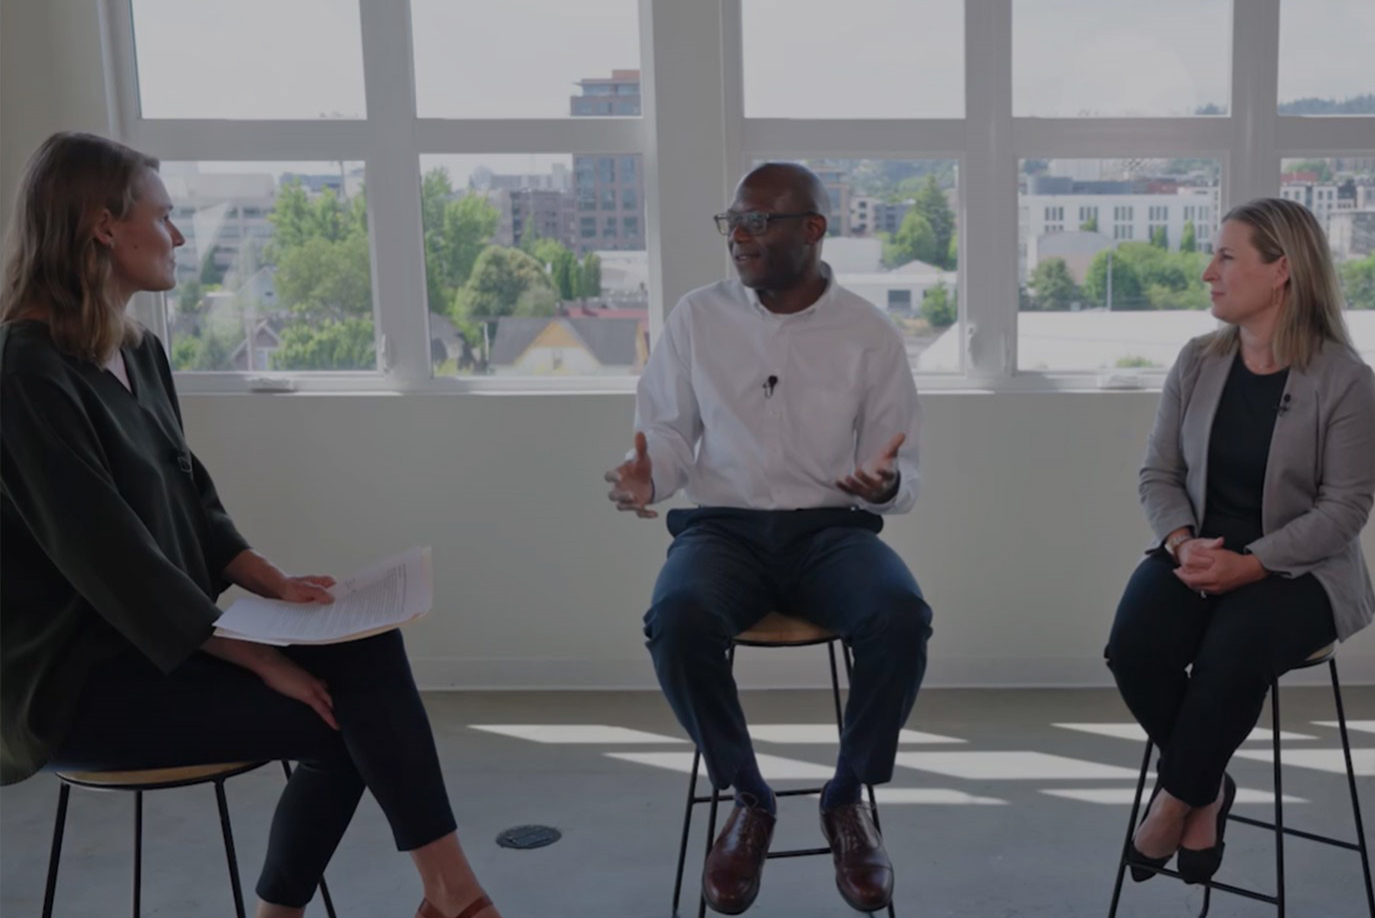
(784, 405)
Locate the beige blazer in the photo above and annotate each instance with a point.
(1319, 477)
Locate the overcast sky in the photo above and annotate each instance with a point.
(803, 58)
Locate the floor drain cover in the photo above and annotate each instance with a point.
(523, 837)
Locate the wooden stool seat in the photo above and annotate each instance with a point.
(779, 630)
(148, 778)
(135, 782)
(1319, 656)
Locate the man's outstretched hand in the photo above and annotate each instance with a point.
(876, 481)
(632, 487)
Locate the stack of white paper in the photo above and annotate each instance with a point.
(376, 599)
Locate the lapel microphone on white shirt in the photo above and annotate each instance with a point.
(1283, 406)
(769, 386)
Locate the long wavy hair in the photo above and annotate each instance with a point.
(1311, 310)
(54, 266)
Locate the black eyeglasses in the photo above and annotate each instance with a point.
(755, 222)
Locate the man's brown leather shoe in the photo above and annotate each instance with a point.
(730, 880)
(864, 875)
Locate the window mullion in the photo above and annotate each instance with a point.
(1253, 162)
(686, 168)
(393, 191)
(988, 198)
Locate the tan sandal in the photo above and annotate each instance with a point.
(474, 908)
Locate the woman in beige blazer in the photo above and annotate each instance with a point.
(1257, 480)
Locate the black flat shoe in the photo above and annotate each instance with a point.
(1198, 866)
(1143, 867)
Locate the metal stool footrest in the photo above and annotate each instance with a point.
(796, 638)
(1277, 827)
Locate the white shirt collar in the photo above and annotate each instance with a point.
(826, 296)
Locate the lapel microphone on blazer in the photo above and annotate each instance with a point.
(1283, 406)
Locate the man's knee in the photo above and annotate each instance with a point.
(899, 617)
(681, 620)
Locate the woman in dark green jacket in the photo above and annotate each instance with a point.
(115, 547)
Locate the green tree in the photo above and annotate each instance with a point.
(931, 204)
(1126, 283)
(324, 278)
(562, 274)
(1090, 225)
(592, 275)
(1160, 238)
(334, 344)
(938, 307)
(952, 255)
(457, 229)
(210, 348)
(545, 251)
(575, 278)
(296, 218)
(914, 240)
(189, 296)
(500, 277)
(1188, 240)
(1053, 285)
(184, 353)
(1146, 276)
(211, 273)
(1358, 282)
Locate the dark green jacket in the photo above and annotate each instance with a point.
(111, 534)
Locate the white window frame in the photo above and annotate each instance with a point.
(695, 141)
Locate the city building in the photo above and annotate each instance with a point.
(609, 188)
(1122, 210)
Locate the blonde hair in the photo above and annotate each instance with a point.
(53, 263)
(1311, 309)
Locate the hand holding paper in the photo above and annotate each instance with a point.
(376, 599)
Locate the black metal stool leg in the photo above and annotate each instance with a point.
(324, 888)
(1364, 849)
(711, 837)
(138, 851)
(835, 685)
(715, 804)
(687, 829)
(55, 856)
(1131, 826)
(229, 848)
(840, 725)
(1279, 798)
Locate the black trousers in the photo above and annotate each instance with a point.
(728, 568)
(1195, 671)
(207, 711)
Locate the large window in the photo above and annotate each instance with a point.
(1119, 58)
(275, 273)
(249, 59)
(518, 282)
(1325, 57)
(1120, 297)
(880, 59)
(432, 195)
(531, 59)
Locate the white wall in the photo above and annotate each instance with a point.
(1023, 537)
(51, 78)
(1025, 532)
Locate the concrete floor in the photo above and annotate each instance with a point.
(980, 836)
